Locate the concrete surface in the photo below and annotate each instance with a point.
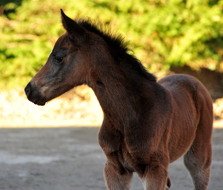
(71, 159)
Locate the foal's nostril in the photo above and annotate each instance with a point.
(28, 89)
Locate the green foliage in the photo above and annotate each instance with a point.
(161, 33)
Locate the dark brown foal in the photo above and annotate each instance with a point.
(147, 124)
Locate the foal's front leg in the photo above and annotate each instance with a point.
(155, 179)
(117, 178)
(155, 173)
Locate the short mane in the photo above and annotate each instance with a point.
(119, 44)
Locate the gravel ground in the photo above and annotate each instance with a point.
(71, 159)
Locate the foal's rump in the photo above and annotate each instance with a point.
(191, 105)
(188, 92)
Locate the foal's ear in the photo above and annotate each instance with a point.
(73, 29)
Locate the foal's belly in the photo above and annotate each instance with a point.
(178, 146)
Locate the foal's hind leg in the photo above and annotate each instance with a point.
(199, 167)
(115, 179)
(198, 158)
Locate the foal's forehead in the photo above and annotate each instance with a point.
(62, 40)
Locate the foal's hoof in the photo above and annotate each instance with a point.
(168, 184)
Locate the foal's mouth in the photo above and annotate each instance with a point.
(34, 95)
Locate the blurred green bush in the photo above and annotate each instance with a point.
(161, 33)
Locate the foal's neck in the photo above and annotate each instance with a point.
(120, 95)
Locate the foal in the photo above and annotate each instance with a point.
(147, 124)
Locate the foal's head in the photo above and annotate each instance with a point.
(84, 55)
(68, 63)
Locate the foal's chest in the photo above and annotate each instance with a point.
(115, 149)
(127, 161)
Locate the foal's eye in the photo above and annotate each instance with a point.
(58, 59)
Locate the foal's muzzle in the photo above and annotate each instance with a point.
(34, 95)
